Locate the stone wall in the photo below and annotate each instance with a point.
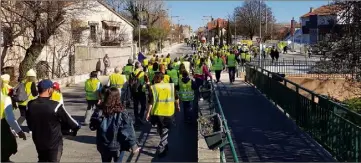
(86, 57)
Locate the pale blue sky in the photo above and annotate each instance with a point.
(193, 11)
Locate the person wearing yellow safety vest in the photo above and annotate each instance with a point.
(119, 81)
(128, 69)
(92, 95)
(57, 95)
(186, 96)
(163, 101)
(6, 87)
(31, 91)
(145, 64)
(218, 66)
(139, 95)
(8, 122)
(176, 64)
(231, 64)
(174, 76)
(168, 59)
(166, 78)
(187, 65)
(152, 71)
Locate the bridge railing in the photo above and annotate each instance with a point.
(326, 121)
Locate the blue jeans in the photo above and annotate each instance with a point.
(109, 156)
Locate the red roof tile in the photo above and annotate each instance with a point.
(324, 10)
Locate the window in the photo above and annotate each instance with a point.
(93, 31)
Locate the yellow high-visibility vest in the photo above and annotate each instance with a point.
(2, 106)
(140, 76)
(173, 75)
(187, 65)
(117, 80)
(57, 96)
(168, 59)
(151, 74)
(231, 60)
(163, 99)
(91, 86)
(198, 70)
(166, 78)
(186, 92)
(28, 92)
(145, 62)
(218, 64)
(6, 88)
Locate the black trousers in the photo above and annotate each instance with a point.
(218, 74)
(232, 72)
(139, 98)
(52, 155)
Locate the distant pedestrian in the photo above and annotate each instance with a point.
(114, 126)
(46, 118)
(274, 54)
(98, 66)
(106, 62)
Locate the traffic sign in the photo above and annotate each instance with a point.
(258, 40)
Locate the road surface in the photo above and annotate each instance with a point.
(260, 131)
(82, 148)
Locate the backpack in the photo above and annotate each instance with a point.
(135, 83)
(19, 94)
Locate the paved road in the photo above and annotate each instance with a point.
(261, 132)
(82, 148)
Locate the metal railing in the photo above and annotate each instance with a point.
(216, 105)
(326, 121)
(308, 68)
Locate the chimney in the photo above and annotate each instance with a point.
(311, 9)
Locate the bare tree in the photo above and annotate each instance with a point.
(44, 18)
(13, 26)
(248, 17)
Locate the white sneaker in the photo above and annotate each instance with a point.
(201, 99)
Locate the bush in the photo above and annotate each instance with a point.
(354, 104)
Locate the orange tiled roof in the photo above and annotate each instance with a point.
(324, 10)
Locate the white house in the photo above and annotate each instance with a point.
(82, 40)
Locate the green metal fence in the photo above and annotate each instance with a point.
(326, 121)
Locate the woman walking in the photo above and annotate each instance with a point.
(115, 131)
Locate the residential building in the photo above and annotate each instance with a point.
(83, 39)
(212, 26)
(319, 22)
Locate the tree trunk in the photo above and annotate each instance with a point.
(3, 55)
(31, 55)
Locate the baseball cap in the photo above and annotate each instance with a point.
(44, 85)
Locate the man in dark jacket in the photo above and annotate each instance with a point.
(45, 119)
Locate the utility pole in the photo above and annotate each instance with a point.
(260, 33)
(235, 31)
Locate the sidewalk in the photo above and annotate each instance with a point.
(261, 132)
